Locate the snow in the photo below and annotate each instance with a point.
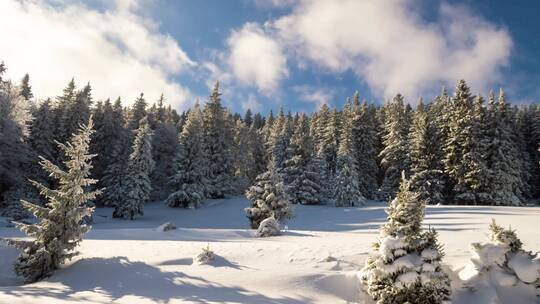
(166, 227)
(526, 269)
(315, 261)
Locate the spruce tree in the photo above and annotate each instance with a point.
(218, 143)
(164, 145)
(364, 136)
(268, 199)
(136, 187)
(300, 172)
(15, 156)
(60, 227)
(329, 144)
(26, 89)
(42, 130)
(188, 181)
(464, 158)
(116, 153)
(502, 156)
(406, 264)
(394, 155)
(137, 112)
(426, 165)
(347, 191)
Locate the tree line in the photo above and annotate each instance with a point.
(457, 148)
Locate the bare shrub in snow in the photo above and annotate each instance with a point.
(206, 256)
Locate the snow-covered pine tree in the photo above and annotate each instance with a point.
(14, 130)
(347, 191)
(426, 164)
(60, 227)
(243, 159)
(117, 139)
(136, 186)
(364, 136)
(26, 88)
(268, 199)
(218, 144)
(329, 144)
(464, 160)
(300, 172)
(406, 264)
(502, 156)
(248, 118)
(137, 112)
(77, 112)
(439, 112)
(257, 152)
(394, 155)
(188, 181)
(279, 142)
(164, 145)
(527, 145)
(42, 130)
(501, 262)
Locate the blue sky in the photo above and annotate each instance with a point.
(296, 54)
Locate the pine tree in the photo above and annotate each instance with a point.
(502, 156)
(115, 149)
(364, 136)
(77, 111)
(394, 155)
(42, 131)
(218, 143)
(137, 186)
(300, 172)
(278, 142)
(164, 145)
(329, 143)
(26, 89)
(347, 192)
(248, 118)
(268, 199)
(61, 107)
(188, 181)
(15, 154)
(137, 112)
(60, 227)
(406, 265)
(464, 159)
(426, 165)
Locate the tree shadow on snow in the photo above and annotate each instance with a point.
(118, 277)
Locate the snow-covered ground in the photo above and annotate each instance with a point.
(315, 261)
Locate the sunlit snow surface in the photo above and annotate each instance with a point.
(315, 261)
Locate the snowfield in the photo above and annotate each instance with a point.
(316, 260)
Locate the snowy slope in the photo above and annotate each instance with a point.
(315, 261)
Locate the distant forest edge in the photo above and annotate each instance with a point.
(458, 148)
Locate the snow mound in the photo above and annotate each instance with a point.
(269, 227)
(166, 227)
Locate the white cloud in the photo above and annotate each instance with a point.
(117, 51)
(317, 96)
(387, 44)
(251, 103)
(265, 4)
(256, 59)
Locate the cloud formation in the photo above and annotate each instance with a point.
(317, 96)
(388, 44)
(256, 59)
(117, 51)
